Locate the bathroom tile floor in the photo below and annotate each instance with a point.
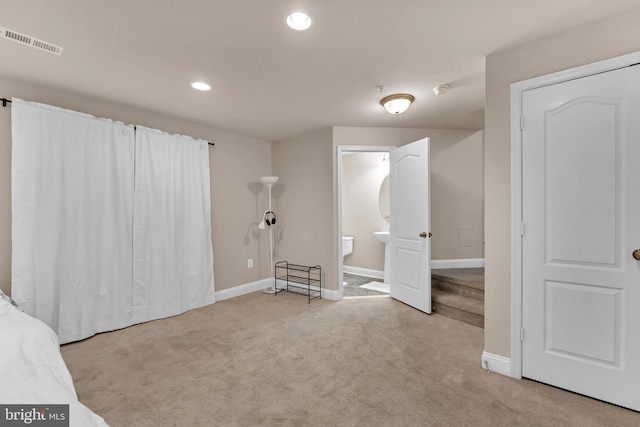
(352, 286)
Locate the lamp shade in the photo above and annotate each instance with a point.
(269, 180)
(398, 103)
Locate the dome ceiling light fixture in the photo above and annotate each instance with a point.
(298, 20)
(398, 103)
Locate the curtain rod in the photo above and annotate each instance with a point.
(5, 101)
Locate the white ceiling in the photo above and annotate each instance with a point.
(271, 82)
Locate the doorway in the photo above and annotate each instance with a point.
(575, 207)
(363, 199)
(407, 244)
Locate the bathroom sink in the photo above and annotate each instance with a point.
(382, 236)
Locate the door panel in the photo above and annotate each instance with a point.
(582, 156)
(595, 340)
(410, 216)
(408, 265)
(581, 205)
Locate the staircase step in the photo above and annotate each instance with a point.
(468, 310)
(468, 277)
(456, 288)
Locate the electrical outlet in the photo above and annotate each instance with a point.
(250, 263)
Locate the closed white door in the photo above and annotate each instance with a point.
(410, 246)
(581, 225)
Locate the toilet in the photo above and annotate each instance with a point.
(347, 246)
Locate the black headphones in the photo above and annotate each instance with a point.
(270, 217)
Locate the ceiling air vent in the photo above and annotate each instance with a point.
(30, 41)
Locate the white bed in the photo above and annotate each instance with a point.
(32, 371)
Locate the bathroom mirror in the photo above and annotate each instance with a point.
(383, 198)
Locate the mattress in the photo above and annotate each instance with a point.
(32, 371)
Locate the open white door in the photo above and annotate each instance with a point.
(409, 234)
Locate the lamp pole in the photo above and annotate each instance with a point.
(269, 181)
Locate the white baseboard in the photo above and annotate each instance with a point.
(247, 288)
(435, 265)
(376, 274)
(260, 285)
(498, 364)
(329, 294)
(457, 263)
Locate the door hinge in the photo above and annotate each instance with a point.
(521, 123)
(522, 229)
(521, 333)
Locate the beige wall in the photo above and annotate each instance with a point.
(236, 162)
(362, 174)
(376, 136)
(600, 40)
(457, 194)
(303, 202)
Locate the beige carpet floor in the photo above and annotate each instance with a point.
(264, 360)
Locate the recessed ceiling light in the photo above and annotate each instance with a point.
(299, 20)
(200, 86)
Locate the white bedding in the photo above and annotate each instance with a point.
(32, 371)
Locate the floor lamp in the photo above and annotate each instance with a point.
(269, 221)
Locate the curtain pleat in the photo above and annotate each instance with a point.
(72, 201)
(172, 252)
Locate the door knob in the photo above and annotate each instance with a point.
(636, 254)
(424, 234)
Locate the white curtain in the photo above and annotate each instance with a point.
(106, 235)
(172, 252)
(72, 200)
